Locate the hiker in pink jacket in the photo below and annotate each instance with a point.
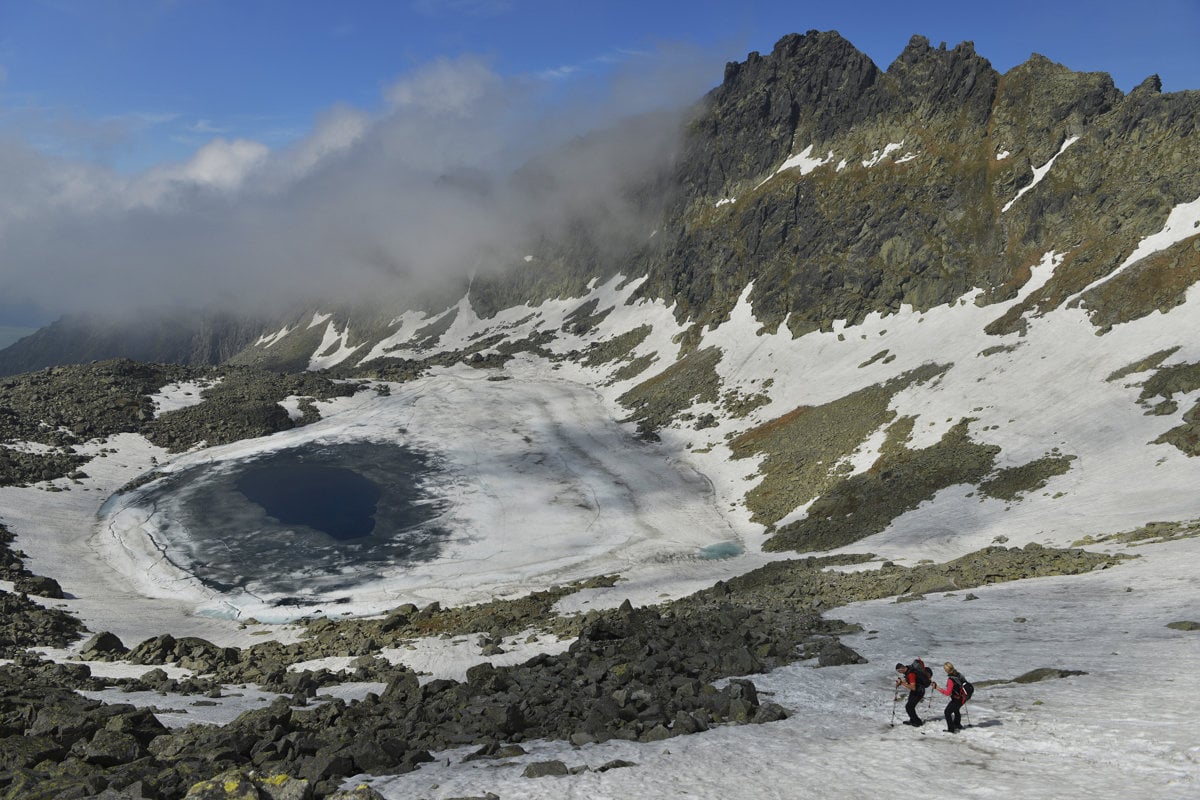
(956, 690)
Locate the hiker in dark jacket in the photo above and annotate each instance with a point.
(953, 690)
(915, 684)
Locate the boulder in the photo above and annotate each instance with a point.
(103, 646)
(39, 585)
(542, 769)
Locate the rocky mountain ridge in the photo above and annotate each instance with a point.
(835, 189)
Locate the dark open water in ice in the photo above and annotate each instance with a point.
(296, 524)
(334, 500)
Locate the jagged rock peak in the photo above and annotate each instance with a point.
(1042, 102)
(944, 80)
(921, 57)
(919, 48)
(1038, 66)
(821, 52)
(809, 86)
(1037, 69)
(1152, 84)
(1037, 60)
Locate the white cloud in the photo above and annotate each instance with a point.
(224, 164)
(559, 73)
(220, 164)
(336, 132)
(448, 86)
(207, 126)
(365, 203)
(469, 8)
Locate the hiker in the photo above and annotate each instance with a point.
(956, 691)
(915, 678)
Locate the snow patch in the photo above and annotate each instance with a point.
(180, 395)
(879, 155)
(333, 349)
(803, 161)
(271, 339)
(1041, 273)
(1040, 172)
(407, 324)
(292, 406)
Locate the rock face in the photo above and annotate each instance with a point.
(921, 223)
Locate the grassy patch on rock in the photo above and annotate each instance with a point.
(1150, 362)
(805, 450)
(806, 583)
(741, 405)
(900, 480)
(1012, 482)
(1163, 385)
(1150, 533)
(243, 405)
(634, 368)
(657, 401)
(1168, 381)
(1185, 437)
(618, 348)
(1158, 282)
(585, 317)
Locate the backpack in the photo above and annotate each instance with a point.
(962, 689)
(924, 675)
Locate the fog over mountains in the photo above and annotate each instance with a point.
(913, 350)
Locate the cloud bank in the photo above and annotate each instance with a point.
(367, 202)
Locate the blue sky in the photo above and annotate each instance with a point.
(166, 152)
(129, 83)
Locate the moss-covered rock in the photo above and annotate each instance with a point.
(899, 481)
(806, 451)
(1150, 533)
(1012, 482)
(658, 400)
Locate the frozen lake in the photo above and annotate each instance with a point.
(452, 488)
(294, 523)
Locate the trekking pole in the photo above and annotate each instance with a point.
(968, 715)
(895, 699)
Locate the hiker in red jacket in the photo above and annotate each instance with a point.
(914, 678)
